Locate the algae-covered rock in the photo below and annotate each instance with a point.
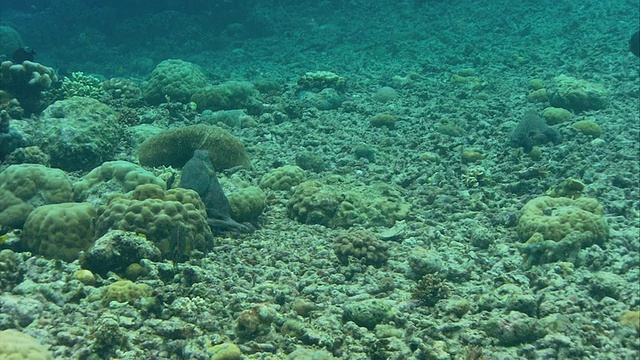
(338, 205)
(175, 147)
(514, 328)
(369, 312)
(577, 94)
(117, 250)
(78, 133)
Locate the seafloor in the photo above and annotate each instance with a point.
(456, 284)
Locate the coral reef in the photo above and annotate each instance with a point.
(362, 245)
(333, 205)
(10, 40)
(555, 229)
(124, 291)
(10, 139)
(113, 176)
(228, 96)
(320, 80)
(247, 203)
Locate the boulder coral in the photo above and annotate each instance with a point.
(17, 345)
(78, 133)
(173, 80)
(26, 186)
(60, 231)
(228, 96)
(555, 229)
(175, 220)
(335, 205)
(120, 176)
(282, 178)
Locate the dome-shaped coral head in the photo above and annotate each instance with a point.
(23, 54)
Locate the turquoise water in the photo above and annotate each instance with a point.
(413, 180)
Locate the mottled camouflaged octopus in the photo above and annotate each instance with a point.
(199, 175)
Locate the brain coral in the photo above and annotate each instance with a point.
(175, 220)
(78, 133)
(175, 147)
(121, 175)
(15, 345)
(339, 205)
(555, 218)
(60, 231)
(26, 186)
(174, 80)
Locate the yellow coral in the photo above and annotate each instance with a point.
(555, 218)
(631, 317)
(124, 291)
(15, 345)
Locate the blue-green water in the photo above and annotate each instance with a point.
(422, 179)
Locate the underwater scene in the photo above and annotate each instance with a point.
(315, 180)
